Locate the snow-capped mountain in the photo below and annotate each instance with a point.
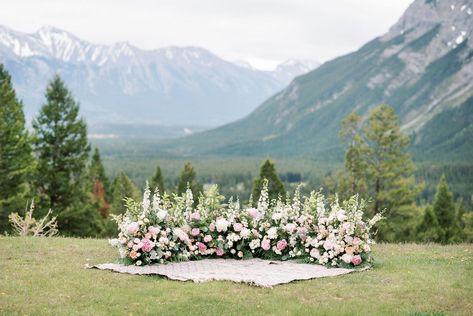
(122, 83)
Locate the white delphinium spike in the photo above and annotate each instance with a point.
(189, 202)
(263, 202)
(146, 202)
(296, 201)
(156, 200)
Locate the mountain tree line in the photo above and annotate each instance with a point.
(53, 165)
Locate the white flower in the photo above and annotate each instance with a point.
(255, 243)
(114, 242)
(221, 224)
(245, 233)
(277, 216)
(290, 227)
(138, 263)
(347, 258)
(162, 214)
(273, 233)
(315, 253)
(328, 245)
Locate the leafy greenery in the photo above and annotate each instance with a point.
(408, 284)
(122, 188)
(276, 190)
(16, 159)
(188, 180)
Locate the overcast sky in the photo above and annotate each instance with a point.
(262, 32)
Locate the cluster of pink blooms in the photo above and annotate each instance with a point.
(165, 229)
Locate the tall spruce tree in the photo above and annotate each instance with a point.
(444, 209)
(276, 188)
(123, 187)
(61, 146)
(157, 181)
(353, 180)
(16, 159)
(188, 179)
(378, 166)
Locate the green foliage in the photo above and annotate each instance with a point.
(378, 165)
(157, 181)
(188, 180)
(429, 229)
(122, 188)
(444, 209)
(97, 173)
(16, 159)
(60, 143)
(276, 188)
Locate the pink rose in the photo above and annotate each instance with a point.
(148, 245)
(195, 216)
(130, 244)
(212, 227)
(356, 241)
(356, 260)
(133, 228)
(183, 236)
(265, 244)
(207, 238)
(154, 230)
(237, 227)
(281, 245)
(195, 232)
(202, 247)
(240, 254)
(252, 212)
(219, 252)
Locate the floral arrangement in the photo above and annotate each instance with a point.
(166, 229)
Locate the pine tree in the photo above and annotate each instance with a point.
(157, 181)
(16, 160)
(353, 180)
(377, 162)
(444, 209)
(188, 179)
(429, 229)
(276, 188)
(62, 149)
(123, 187)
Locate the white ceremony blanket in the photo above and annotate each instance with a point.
(258, 272)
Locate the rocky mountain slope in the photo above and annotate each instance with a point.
(423, 67)
(124, 84)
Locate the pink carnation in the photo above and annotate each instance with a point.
(195, 216)
(237, 227)
(195, 232)
(212, 227)
(282, 244)
(148, 245)
(154, 230)
(202, 247)
(265, 244)
(356, 241)
(133, 228)
(252, 212)
(219, 252)
(356, 260)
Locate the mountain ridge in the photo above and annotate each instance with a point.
(115, 83)
(423, 67)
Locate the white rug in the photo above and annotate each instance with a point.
(253, 271)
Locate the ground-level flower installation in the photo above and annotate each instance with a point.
(165, 229)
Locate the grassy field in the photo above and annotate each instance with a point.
(47, 276)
